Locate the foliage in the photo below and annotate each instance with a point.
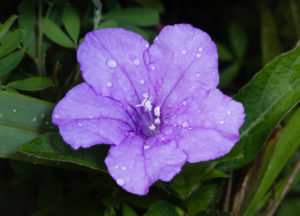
(42, 175)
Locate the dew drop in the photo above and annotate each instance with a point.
(136, 61)
(184, 103)
(117, 166)
(197, 75)
(146, 45)
(42, 115)
(120, 181)
(109, 84)
(200, 49)
(14, 110)
(183, 52)
(221, 122)
(56, 116)
(34, 119)
(198, 55)
(228, 112)
(111, 63)
(79, 124)
(185, 124)
(163, 138)
(142, 81)
(123, 168)
(152, 67)
(90, 117)
(146, 147)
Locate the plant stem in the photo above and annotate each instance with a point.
(285, 189)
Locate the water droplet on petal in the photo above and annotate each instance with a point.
(90, 116)
(198, 55)
(183, 52)
(185, 124)
(200, 49)
(117, 166)
(228, 112)
(184, 103)
(152, 67)
(146, 45)
(34, 119)
(120, 181)
(56, 116)
(142, 81)
(123, 168)
(221, 122)
(197, 75)
(79, 124)
(146, 147)
(109, 84)
(111, 63)
(136, 61)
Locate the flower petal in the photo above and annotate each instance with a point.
(209, 121)
(112, 62)
(182, 60)
(137, 163)
(85, 118)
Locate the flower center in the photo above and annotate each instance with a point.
(150, 120)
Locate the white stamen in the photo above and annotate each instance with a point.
(152, 127)
(157, 121)
(157, 111)
(148, 105)
(145, 95)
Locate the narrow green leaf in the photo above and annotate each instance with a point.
(200, 199)
(137, 30)
(270, 43)
(134, 16)
(228, 74)
(26, 20)
(10, 62)
(238, 39)
(54, 33)
(288, 143)
(51, 146)
(266, 99)
(71, 22)
(31, 84)
(155, 4)
(128, 211)
(8, 23)
(108, 24)
(22, 118)
(11, 42)
(161, 208)
(224, 53)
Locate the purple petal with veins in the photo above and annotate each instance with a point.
(157, 105)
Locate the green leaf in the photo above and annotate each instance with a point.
(27, 20)
(134, 16)
(108, 24)
(266, 99)
(22, 118)
(10, 62)
(50, 146)
(161, 208)
(238, 39)
(224, 53)
(54, 33)
(31, 84)
(200, 199)
(11, 42)
(71, 22)
(137, 30)
(288, 143)
(228, 74)
(128, 211)
(235, 153)
(8, 23)
(155, 4)
(270, 43)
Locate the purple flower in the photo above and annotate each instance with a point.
(157, 105)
